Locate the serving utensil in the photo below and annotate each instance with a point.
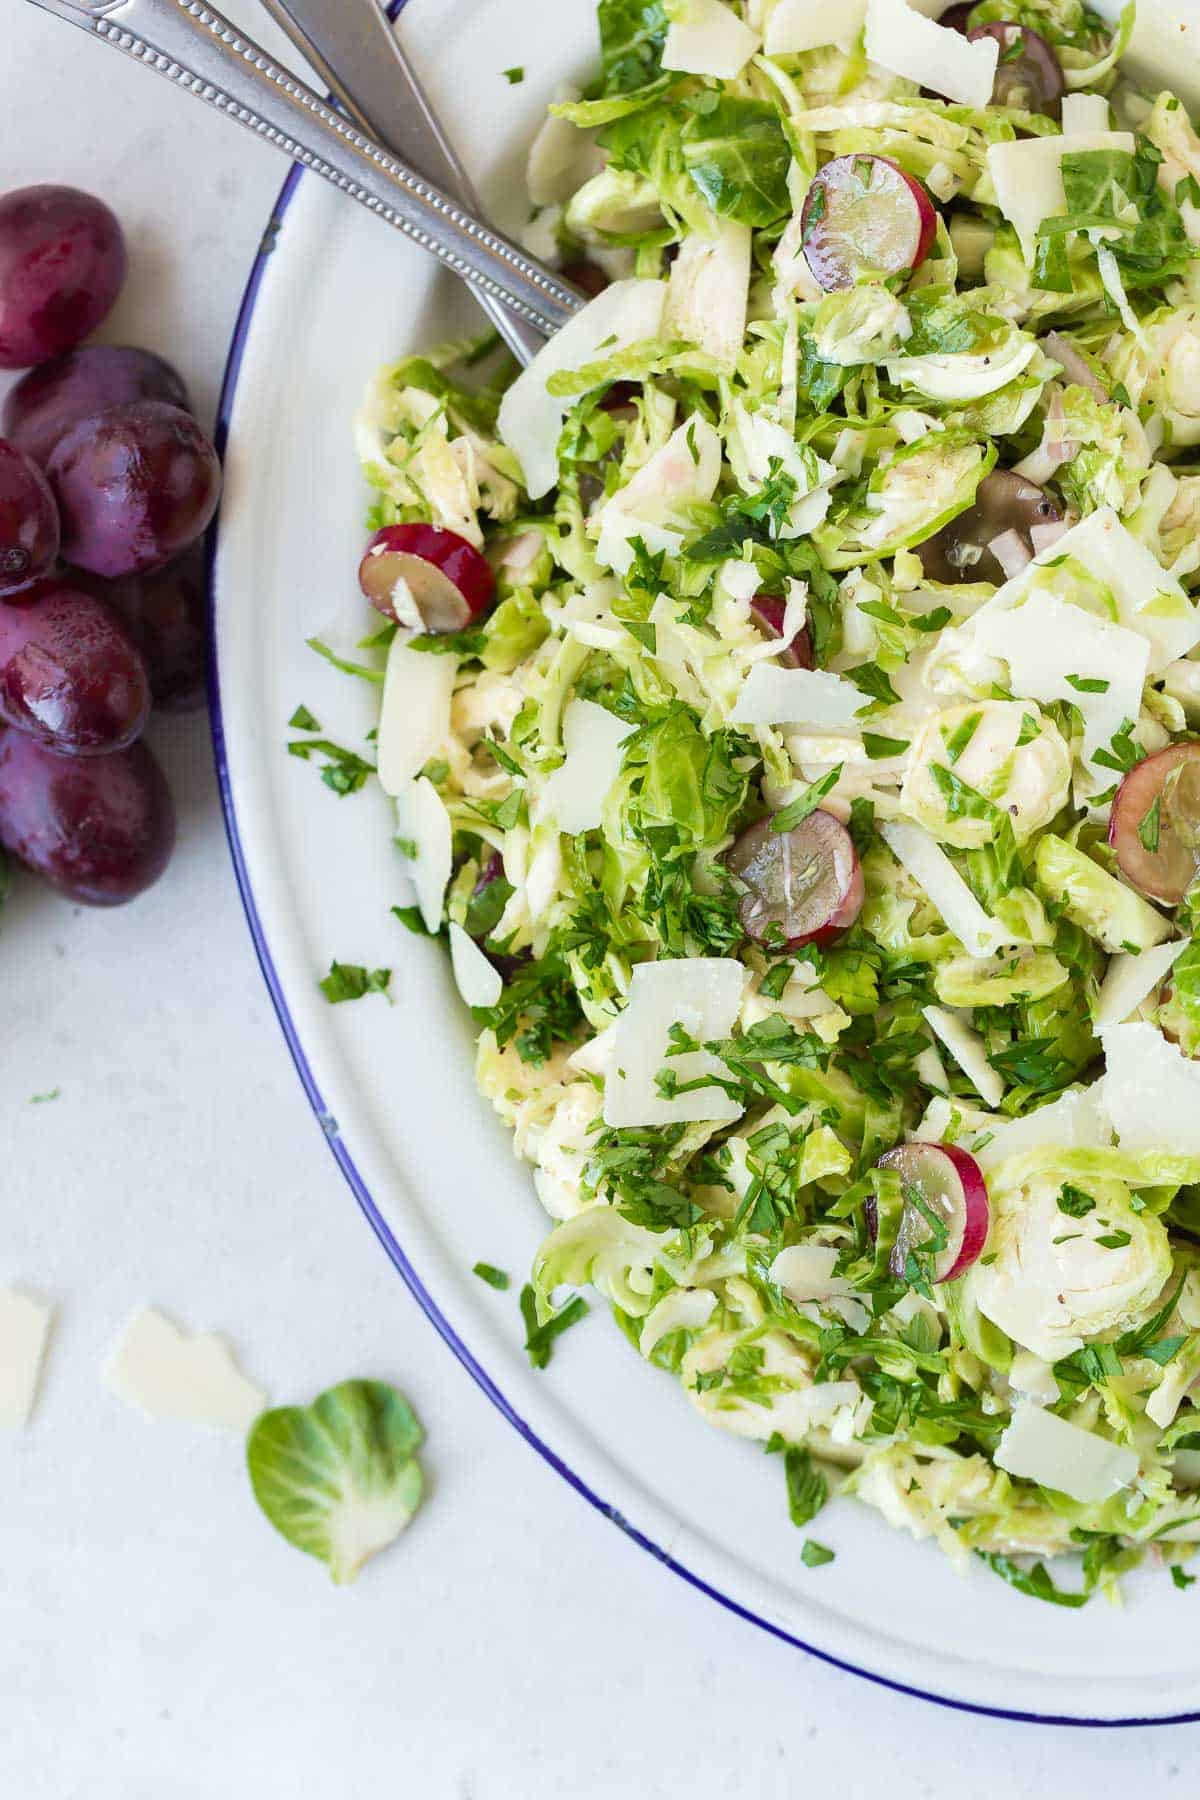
(353, 47)
(200, 50)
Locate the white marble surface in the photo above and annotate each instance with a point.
(157, 1642)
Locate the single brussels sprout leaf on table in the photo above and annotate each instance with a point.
(339, 1479)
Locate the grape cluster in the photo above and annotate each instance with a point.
(106, 487)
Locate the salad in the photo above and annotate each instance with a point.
(790, 698)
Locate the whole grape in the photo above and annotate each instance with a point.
(71, 675)
(101, 829)
(62, 262)
(29, 529)
(164, 612)
(135, 485)
(41, 406)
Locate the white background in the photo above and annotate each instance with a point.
(157, 1641)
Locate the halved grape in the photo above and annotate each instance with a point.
(1028, 74)
(803, 886)
(29, 529)
(1154, 824)
(768, 611)
(449, 580)
(863, 216)
(135, 486)
(101, 829)
(62, 262)
(949, 1186)
(70, 674)
(164, 612)
(1004, 502)
(78, 386)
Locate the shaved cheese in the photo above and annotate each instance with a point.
(1084, 112)
(967, 1048)
(684, 1309)
(1041, 1447)
(900, 39)
(1075, 1121)
(1046, 640)
(159, 1368)
(423, 822)
(704, 995)
(1149, 600)
(24, 1329)
(1151, 1091)
(530, 418)
(708, 289)
(561, 157)
(414, 716)
(798, 25)
(1032, 1377)
(932, 869)
(477, 980)
(575, 793)
(804, 1272)
(1130, 979)
(774, 696)
(706, 37)
(1027, 177)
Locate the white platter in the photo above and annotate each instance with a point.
(335, 295)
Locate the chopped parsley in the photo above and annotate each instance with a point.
(350, 981)
(495, 1278)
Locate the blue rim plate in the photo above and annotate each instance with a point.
(346, 1161)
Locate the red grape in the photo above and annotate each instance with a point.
(449, 580)
(62, 261)
(1028, 75)
(1004, 501)
(768, 612)
(802, 886)
(29, 529)
(950, 1186)
(863, 217)
(164, 611)
(77, 386)
(70, 674)
(102, 830)
(1154, 825)
(135, 485)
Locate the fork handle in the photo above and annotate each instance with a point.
(200, 50)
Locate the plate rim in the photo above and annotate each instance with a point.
(433, 1312)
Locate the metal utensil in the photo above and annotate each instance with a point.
(196, 47)
(353, 47)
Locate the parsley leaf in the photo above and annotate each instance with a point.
(302, 720)
(350, 981)
(877, 746)
(343, 771)
(494, 1277)
(1074, 1202)
(1148, 828)
(814, 1555)
(798, 810)
(539, 1338)
(1034, 1581)
(807, 1488)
